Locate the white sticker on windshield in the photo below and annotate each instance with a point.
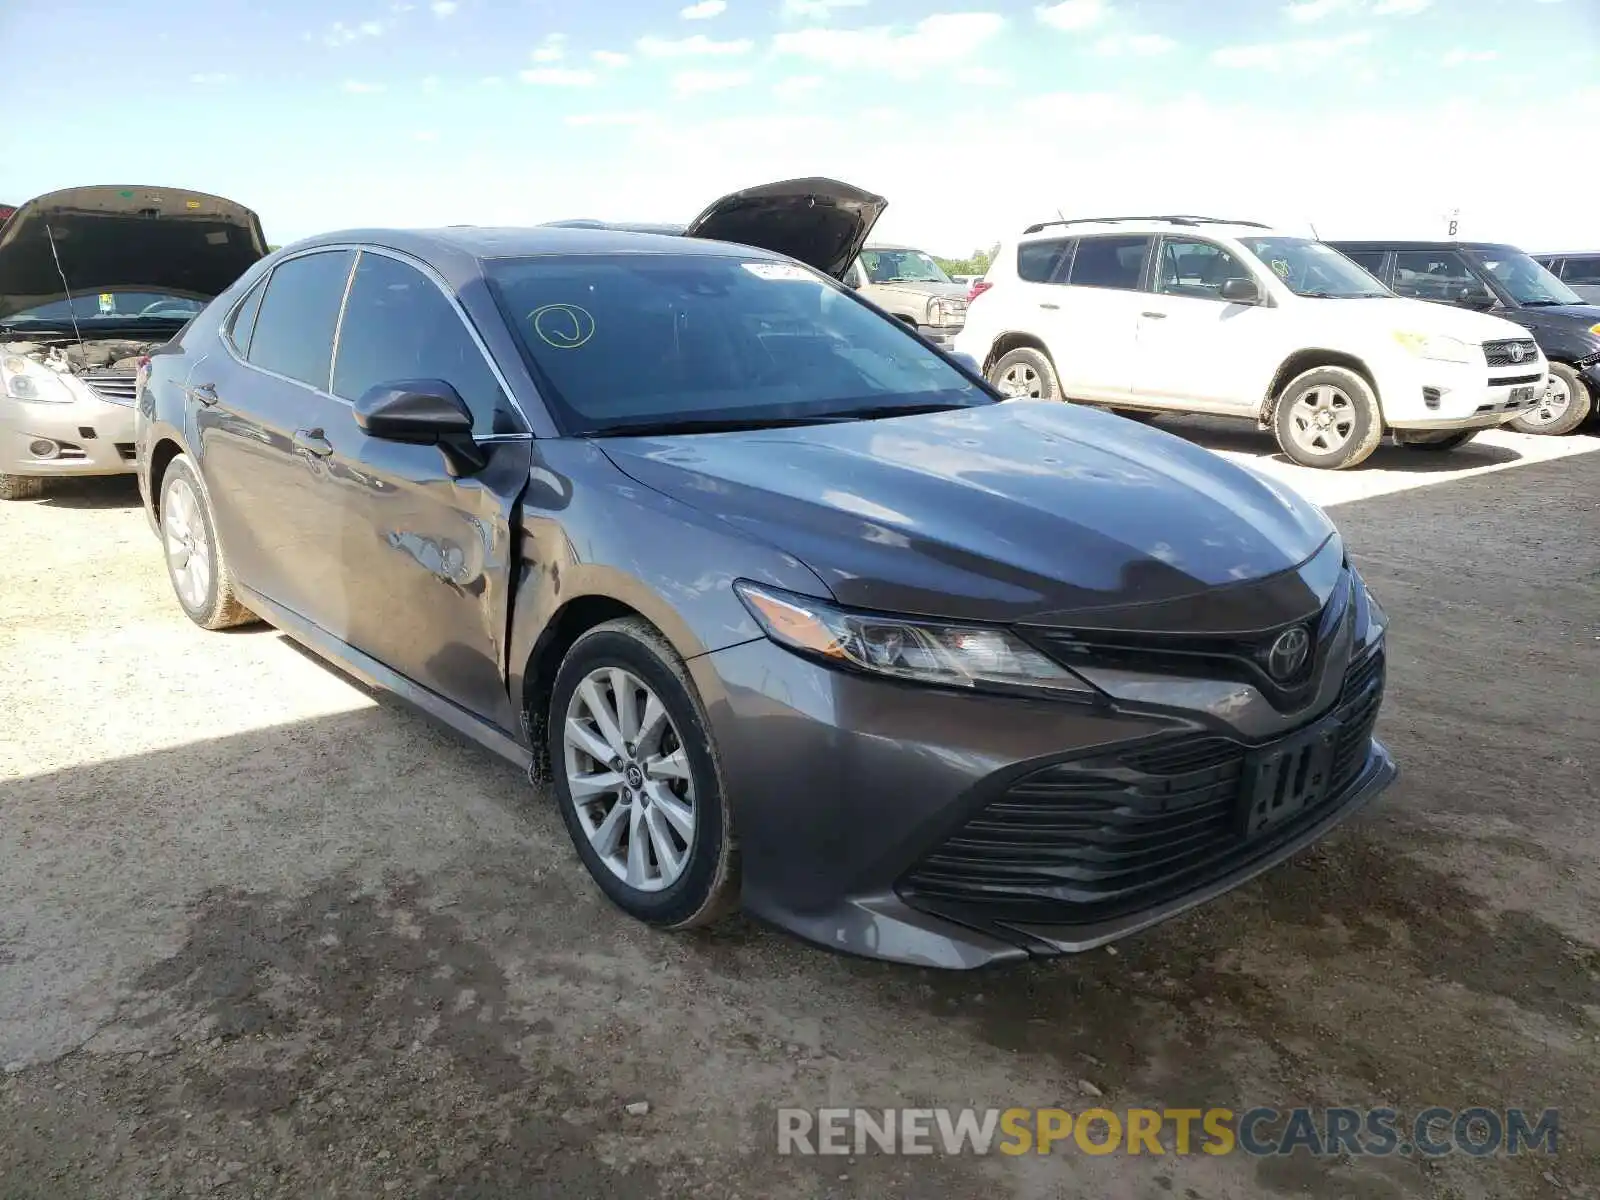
(773, 270)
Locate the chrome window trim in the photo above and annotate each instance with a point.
(227, 342)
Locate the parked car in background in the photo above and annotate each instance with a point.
(910, 286)
(1190, 314)
(789, 608)
(1580, 272)
(5, 212)
(91, 279)
(1493, 278)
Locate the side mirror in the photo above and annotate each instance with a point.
(1240, 290)
(1468, 297)
(422, 412)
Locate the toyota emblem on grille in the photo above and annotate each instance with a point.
(1516, 352)
(1288, 653)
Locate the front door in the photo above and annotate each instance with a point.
(428, 556)
(261, 430)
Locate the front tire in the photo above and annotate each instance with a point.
(1328, 418)
(1025, 373)
(638, 779)
(196, 564)
(1565, 405)
(1439, 442)
(21, 487)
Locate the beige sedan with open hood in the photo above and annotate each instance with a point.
(91, 279)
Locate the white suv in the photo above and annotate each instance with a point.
(1196, 315)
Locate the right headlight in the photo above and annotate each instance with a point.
(937, 652)
(1435, 346)
(23, 379)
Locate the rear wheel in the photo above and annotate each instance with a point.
(1025, 373)
(1438, 441)
(638, 780)
(1328, 417)
(196, 564)
(1565, 405)
(21, 487)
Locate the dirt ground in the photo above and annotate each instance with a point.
(264, 934)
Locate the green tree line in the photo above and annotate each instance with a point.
(977, 264)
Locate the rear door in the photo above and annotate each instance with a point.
(821, 222)
(1091, 323)
(427, 556)
(261, 422)
(1194, 347)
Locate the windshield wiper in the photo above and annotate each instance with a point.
(883, 411)
(1543, 303)
(701, 425)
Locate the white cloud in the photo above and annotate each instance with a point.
(983, 77)
(694, 83)
(610, 58)
(697, 46)
(1135, 45)
(1278, 56)
(340, 34)
(356, 88)
(935, 41)
(492, 81)
(444, 8)
(609, 119)
(1460, 57)
(552, 49)
(559, 77)
(401, 6)
(817, 10)
(704, 10)
(430, 83)
(425, 135)
(1400, 8)
(796, 86)
(1072, 16)
(210, 78)
(1307, 11)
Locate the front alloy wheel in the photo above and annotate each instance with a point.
(1565, 405)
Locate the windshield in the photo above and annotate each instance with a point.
(627, 341)
(902, 266)
(1309, 268)
(1526, 281)
(118, 307)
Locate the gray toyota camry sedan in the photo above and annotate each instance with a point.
(788, 609)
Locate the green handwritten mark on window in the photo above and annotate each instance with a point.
(1282, 268)
(562, 326)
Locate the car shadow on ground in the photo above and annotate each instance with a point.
(92, 492)
(1242, 437)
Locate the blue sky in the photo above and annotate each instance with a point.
(1361, 117)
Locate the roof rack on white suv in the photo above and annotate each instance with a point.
(1194, 314)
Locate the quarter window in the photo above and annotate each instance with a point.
(399, 325)
(244, 318)
(1044, 261)
(294, 327)
(1583, 268)
(1197, 269)
(1440, 275)
(1109, 262)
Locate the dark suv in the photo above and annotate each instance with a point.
(1501, 279)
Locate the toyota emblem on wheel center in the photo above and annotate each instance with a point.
(1288, 653)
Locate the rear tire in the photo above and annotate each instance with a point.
(196, 563)
(21, 487)
(1439, 442)
(638, 780)
(1328, 418)
(1565, 405)
(1025, 373)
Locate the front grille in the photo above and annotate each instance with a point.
(1097, 838)
(1512, 352)
(117, 387)
(1514, 380)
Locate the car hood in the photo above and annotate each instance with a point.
(1559, 317)
(110, 238)
(1005, 512)
(1400, 313)
(953, 291)
(821, 222)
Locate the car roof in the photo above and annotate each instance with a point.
(1417, 244)
(1076, 227)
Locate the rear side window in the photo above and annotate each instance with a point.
(244, 317)
(1045, 261)
(1109, 262)
(1439, 275)
(294, 327)
(399, 325)
(1581, 268)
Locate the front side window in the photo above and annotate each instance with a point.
(1314, 269)
(1109, 262)
(902, 266)
(1528, 283)
(399, 325)
(1439, 275)
(294, 330)
(1044, 261)
(1196, 269)
(635, 342)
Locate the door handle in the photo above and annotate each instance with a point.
(312, 442)
(203, 393)
(1051, 307)
(1155, 316)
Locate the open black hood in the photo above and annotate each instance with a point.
(821, 222)
(110, 238)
